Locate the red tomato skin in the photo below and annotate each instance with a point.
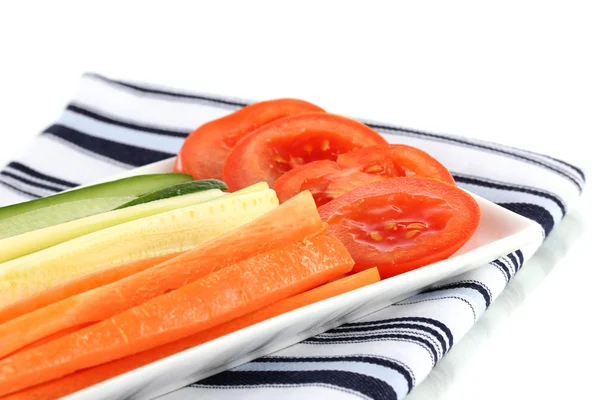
(204, 151)
(251, 160)
(403, 157)
(348, 172)
(461, 227)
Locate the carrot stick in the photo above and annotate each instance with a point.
(54, 336)
(283, 225)
(331, 289)
(90, 376)
(215, 299)
(79, 285)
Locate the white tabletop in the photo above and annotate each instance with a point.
(523, 75)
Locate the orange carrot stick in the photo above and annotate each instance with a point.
(285, 224)
(79, 285)
(331, 289)
(90, 376)
(215, 299)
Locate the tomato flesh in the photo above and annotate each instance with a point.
(328, 181)
(390, 222)
(289, 154)
(400, 224)
(289, 143)
(396, 160)
(330, 185)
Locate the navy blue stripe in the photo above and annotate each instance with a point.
(467, 285)
(32, 183)
(37, 174)
(479, 182)
(144, 89)
(18, 190)
(430, 321)
(128, 125)
(401, 369)
(368, 386)
(519, 254)
(501, 264)
(239, 103)
(396, 130)
(503, 272)
(401, 325)
(368, 338)
(579, 170)
(124, 153)
(532, 211)
(513, 259)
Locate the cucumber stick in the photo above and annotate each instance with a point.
(58, 214)
(177, 190)
(168, 232)
(30, 242)
(72, 210)
(133, 186)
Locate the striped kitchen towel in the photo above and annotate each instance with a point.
(111, 126)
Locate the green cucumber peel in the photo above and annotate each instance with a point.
(132, 186)
(177, 190)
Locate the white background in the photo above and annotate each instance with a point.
(524, 73)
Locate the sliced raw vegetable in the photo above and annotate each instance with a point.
(257, 187)
(132, 186)
(215, 299)
(76, 286)
(30, 242)
(58, 214)
(90, 376)
(294, 221)
(326, 291)
(177, 190)
(403, 223)
(270, 151)
(204, 151)
(328, 180)
(168, 232)
(396, 160)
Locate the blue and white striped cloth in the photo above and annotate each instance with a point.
(112, 126)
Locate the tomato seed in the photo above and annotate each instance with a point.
(415, 225)
(411, 234)
(391, 226)
(374, 168)
(325, 145)
(376, 236)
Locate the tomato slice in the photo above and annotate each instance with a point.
(276, 148)
(204, 151)
(328, 180)
(401, 224)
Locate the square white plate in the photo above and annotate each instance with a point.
(500, 232)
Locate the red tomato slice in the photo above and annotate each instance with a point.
(328, 180)
(204, 151)
(287, 143)
(398, 225)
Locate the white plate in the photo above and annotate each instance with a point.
(500, 232)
